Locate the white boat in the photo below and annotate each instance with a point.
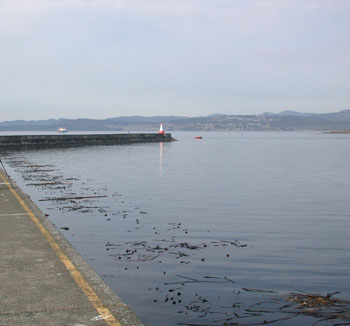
(63, 130)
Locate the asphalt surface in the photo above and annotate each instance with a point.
(43, 280)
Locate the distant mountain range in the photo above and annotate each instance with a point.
(285, 120)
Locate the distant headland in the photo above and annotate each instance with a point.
(338, 132)
(338, 122)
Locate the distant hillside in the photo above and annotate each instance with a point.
(285, 120)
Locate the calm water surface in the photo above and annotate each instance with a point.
(189, 230)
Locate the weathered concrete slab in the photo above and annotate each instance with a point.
(43, 280)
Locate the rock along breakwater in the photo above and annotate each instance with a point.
(64, 140)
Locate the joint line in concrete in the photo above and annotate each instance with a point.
(15, 214)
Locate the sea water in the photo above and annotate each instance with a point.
(202, 232)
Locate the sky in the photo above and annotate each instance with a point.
(109, 58)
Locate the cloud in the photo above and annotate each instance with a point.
(18, 15)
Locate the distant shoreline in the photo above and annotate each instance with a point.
(347, 131)
(283, 121)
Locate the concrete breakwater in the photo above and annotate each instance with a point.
(64, 140)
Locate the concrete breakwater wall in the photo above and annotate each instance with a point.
(64, 140)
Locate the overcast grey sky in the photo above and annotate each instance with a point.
(107, 58)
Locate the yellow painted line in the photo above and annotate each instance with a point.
(104, 312)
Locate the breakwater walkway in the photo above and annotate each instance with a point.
(43, 280)
(73, 140)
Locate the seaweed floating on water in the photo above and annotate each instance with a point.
(325, 309)
(138, 251)
(72, 198)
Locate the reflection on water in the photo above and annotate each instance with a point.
(220, 232)
(161, 150)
